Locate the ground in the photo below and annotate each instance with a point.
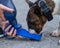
(46, 42)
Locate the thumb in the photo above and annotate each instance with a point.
(6, 8)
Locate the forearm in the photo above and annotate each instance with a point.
(3, 9)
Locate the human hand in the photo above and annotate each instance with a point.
(2, 9)
(12, 32)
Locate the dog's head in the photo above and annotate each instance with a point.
(35, 17)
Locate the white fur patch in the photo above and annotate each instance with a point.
(57, 31)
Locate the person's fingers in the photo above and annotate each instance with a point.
(8, 33)
(0, 21)
(3, 23)
(14, 34)
(2, 9)
(11, 31)
(7, 29)
(6, 8)
(2, 16)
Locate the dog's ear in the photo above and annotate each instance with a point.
(29, 3)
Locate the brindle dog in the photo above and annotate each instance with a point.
(35, 18)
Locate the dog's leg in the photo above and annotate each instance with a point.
(56, 32)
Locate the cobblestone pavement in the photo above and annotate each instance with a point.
(46, 42)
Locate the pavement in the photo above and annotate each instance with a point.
(46, 42)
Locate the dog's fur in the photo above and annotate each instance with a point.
(35, 17)
(56, 11)
(56, 32)
(57, 7)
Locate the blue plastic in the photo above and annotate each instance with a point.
(25, 33)
(11, 17)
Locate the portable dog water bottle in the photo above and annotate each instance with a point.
(26, 34)
(11, 17)
(45, 8)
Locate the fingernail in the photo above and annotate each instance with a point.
(15, 29)
(12, 27)
(12, 11)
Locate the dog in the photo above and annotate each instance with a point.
(35, 18)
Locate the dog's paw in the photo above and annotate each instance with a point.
(55, 33)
